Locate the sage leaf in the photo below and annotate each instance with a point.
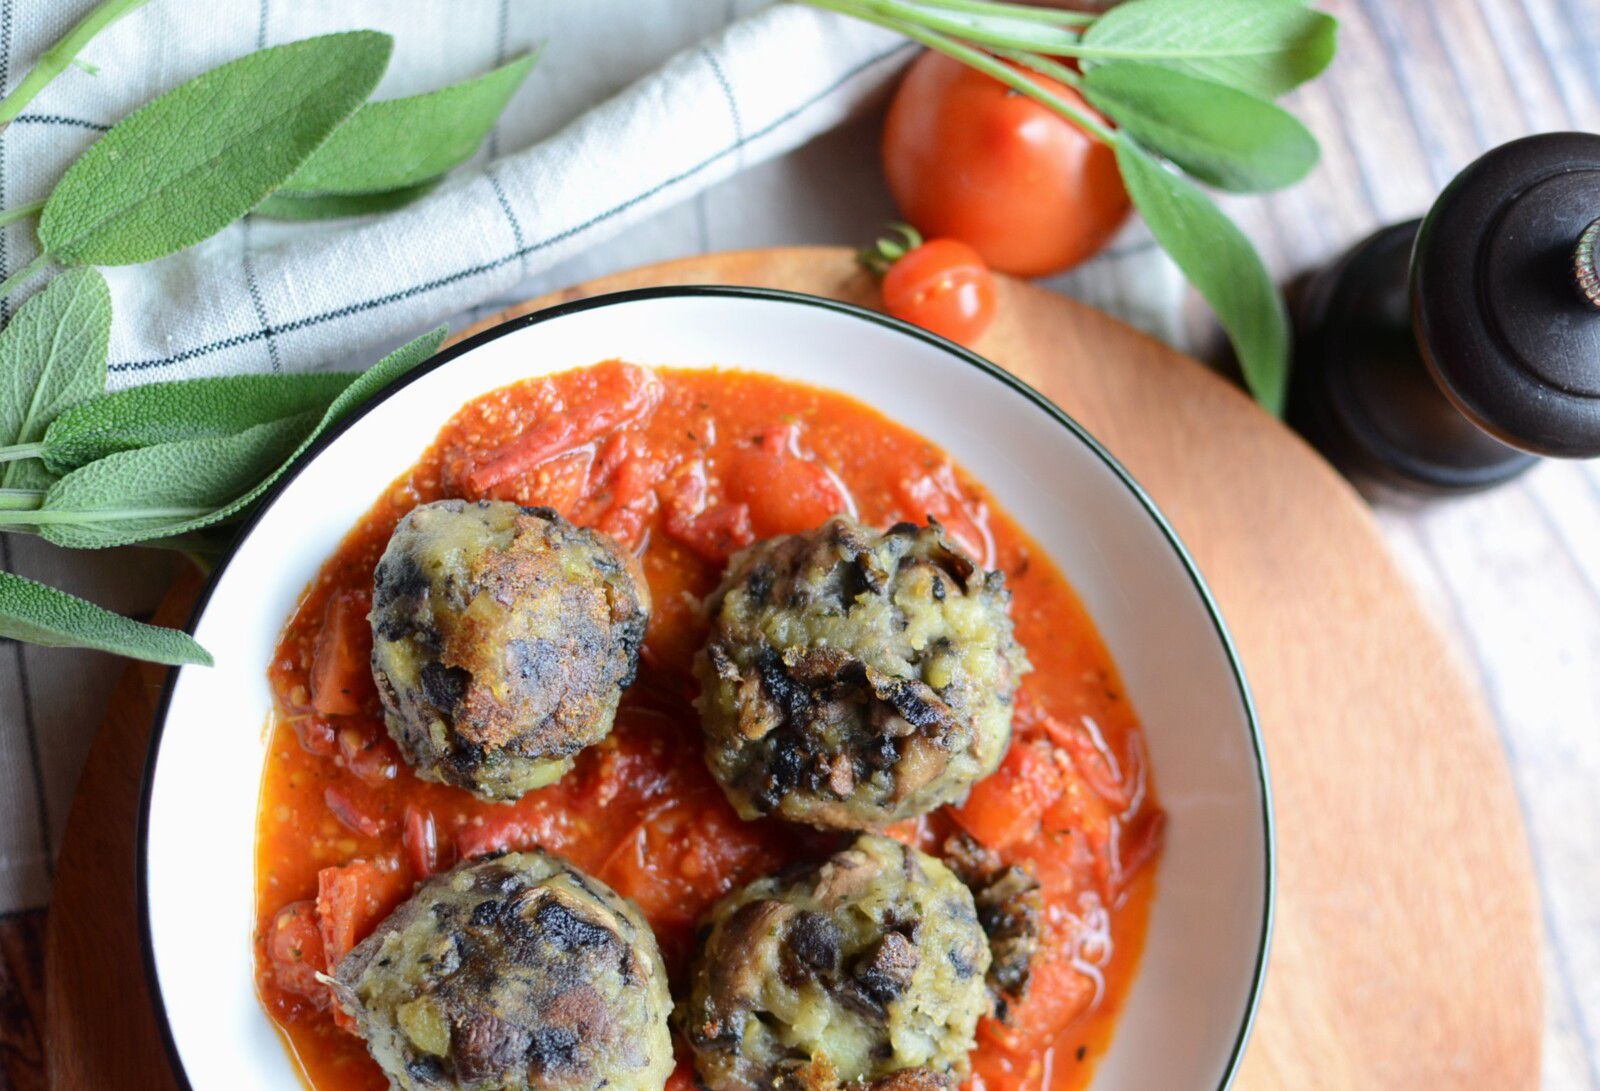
(175, 488)
(400, 143)
(163, 490)
(40, 614)
(157, 413)
(1223, 136)
(55, 60)
(1222, 265)
(52, 357)
(1266, 47)
(186, 165)
(333, 206)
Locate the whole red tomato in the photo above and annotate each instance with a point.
(969, 158)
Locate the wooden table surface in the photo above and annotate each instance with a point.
(1419, 89)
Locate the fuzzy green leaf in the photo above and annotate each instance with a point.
(183, 167)
(1265, 47)
(52, 357)
(160, 491)
(1223, 136)
(1222, 265)
(157, 413)
(334, 206)
(40, 614)
(400, 143)
(176, 488)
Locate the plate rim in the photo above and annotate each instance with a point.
(988, 367)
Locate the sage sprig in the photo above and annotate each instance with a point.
(174, 488)
(40, 614)
(170, 412)
(1182, 82)
(52, 357)
(156, 465)
(1265, 47)
(332, 206)
(400, 144)
(286, 131)
(183, 167)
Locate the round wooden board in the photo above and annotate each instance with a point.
(1406, 952)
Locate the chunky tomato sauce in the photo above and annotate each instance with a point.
(688, 466)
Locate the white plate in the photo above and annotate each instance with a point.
(1191, 1004)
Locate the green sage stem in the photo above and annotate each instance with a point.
(19, 451)
(38, 517)
(976, 58)
(1053, 16)
(21, 212)
(20, 499)
(15, 280)
(55, 60)
(987, 30)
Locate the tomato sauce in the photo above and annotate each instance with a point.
(688, 466)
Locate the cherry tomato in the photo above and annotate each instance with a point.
(941, 285)
(294, 943)
(969, 158)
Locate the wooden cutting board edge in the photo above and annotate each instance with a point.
(1393, 801)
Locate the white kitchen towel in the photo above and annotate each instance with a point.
(264, 296)
(632, 107)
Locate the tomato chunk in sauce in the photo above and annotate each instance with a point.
(688, 467)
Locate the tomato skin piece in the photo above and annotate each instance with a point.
(294, 944)
(351, 901)
(625, 394)
(967, 157)
(944, 287)
(352, 815)
(785, 491)
(1008, 805)
(420, 839)
(341, 673)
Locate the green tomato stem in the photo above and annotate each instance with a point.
(55, 60)
(21, 212)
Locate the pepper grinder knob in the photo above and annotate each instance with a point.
(1586, 264)
(1446, 355)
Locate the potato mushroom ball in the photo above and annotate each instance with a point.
(508, 973)
(853, 679)
(502, 639)
(869, 966)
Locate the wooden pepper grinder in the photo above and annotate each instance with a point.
(1445, 355)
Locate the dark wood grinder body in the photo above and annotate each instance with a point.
(1446, 355)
